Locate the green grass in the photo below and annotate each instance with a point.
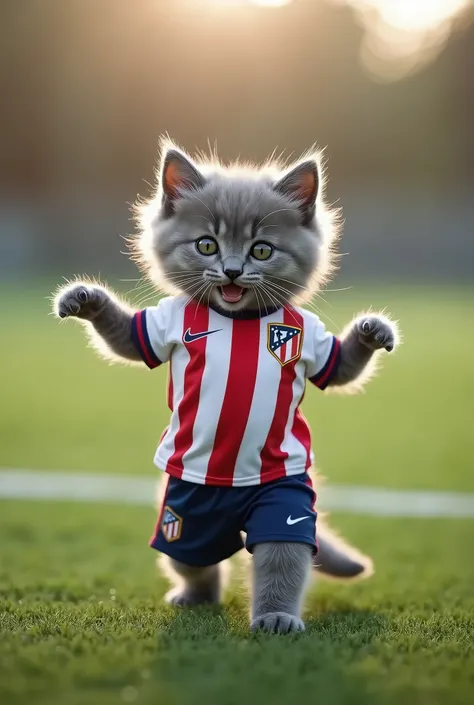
(409, 430)
(81, 617)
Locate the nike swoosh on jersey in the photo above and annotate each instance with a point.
(291, 521)
(189, 337)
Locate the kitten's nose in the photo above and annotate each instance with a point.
(233, 268)
(232, 273)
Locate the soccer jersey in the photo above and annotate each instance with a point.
(235, 388)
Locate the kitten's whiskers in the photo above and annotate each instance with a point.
(193, 294)
(207, 208)
(279, 210)
(310, 304)
(202, 296)
(281, 301)
(257, 296)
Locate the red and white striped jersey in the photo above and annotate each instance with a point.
(235, 387)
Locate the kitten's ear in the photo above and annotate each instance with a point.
(301, 184)
(178, 174)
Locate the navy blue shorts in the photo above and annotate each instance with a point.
(201, 525)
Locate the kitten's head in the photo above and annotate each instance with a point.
(237, 238)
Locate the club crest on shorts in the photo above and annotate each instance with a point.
(171, 524)
(284, 342)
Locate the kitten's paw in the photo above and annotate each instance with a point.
(377, 332)
(79, 300)
(278, 623)
(190, 598)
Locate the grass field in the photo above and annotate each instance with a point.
(81, 618)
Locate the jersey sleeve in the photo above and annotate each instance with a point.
(326, 355)
(149, 333)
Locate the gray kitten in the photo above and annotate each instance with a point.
(282, 215)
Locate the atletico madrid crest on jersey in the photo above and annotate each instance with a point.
(284, 342)
(171, 525)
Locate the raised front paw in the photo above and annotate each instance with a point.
(79, 300)
(377, 332)
(278, 623)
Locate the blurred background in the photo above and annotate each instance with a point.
(384, 85)
(87, 88)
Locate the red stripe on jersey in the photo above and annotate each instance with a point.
(237, 401)
(170, 387)
(196, 317)
(272, 457)
(302, 433)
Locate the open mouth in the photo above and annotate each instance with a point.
(231, 293)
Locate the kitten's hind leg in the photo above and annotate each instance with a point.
(193, 585)
(280, 576)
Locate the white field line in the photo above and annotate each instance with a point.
(375, 501)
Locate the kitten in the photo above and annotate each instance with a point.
(237, 249)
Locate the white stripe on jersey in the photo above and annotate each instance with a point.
(291, 445)
(261, 414)
(213, 388)
(178, 362)
(296, 451)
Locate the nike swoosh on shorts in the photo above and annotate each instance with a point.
(291, 521)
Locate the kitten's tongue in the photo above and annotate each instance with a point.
(232, 293)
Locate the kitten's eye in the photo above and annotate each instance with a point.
(206, 246)
(261, 251)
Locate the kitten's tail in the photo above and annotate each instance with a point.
(338, 560)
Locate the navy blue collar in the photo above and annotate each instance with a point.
(245, 314)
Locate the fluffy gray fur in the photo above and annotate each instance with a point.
(280, 577)
(199, 586)
(237, 208)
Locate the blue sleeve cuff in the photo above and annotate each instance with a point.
(325, 375)
(142, 340)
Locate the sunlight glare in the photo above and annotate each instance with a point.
(270, 3)
(402, 36)
(261, 3)
(413, 15)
